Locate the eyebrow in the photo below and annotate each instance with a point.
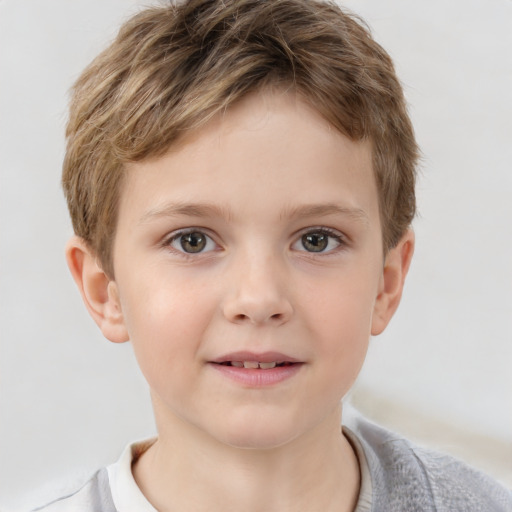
(186, 209)
(213, 210)
(324, 210)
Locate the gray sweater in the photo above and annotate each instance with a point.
(396, 476)
(407, 477)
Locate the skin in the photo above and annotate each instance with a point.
(254, 182)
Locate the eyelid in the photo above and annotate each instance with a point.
(170, 238)
(332, 233)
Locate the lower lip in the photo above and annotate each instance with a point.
(258, 378)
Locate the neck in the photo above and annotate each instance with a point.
(188, 470)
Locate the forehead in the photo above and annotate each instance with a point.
(271, 151)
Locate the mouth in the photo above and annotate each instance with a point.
(257, 361)
(255, 370)
(257, 364)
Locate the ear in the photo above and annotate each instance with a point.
(99, 292)
(396, 266)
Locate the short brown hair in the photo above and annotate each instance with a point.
(172, 68)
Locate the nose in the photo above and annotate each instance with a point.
(259, 293)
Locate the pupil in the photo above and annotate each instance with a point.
(315, 242)
(193, 242)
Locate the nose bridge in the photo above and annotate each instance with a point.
(258, 289)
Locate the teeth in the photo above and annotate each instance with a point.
(251, 364)
(255, 364)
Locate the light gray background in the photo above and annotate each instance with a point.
(70, 401)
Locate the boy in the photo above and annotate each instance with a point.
(240, 176)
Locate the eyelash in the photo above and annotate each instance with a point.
(177, 235)
(330, 233)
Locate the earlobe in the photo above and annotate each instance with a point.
(99, 292)
(395, 270)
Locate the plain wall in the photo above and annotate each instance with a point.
(70, 401)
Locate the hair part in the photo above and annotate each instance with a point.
(172, 68)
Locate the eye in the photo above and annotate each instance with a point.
(192, 242)
(320, 240)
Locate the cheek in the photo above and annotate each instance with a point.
(166, 323)
(340, 322)
(342, 309)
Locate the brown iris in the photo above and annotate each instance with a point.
(315, 242)
(193, 242)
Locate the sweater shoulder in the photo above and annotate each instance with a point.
(406, 476)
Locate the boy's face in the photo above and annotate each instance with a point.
(257, 239)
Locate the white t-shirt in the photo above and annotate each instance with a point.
(125, 492)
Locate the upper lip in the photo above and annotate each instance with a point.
(260, 357)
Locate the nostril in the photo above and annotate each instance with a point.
(257, 312)
(244, 318)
